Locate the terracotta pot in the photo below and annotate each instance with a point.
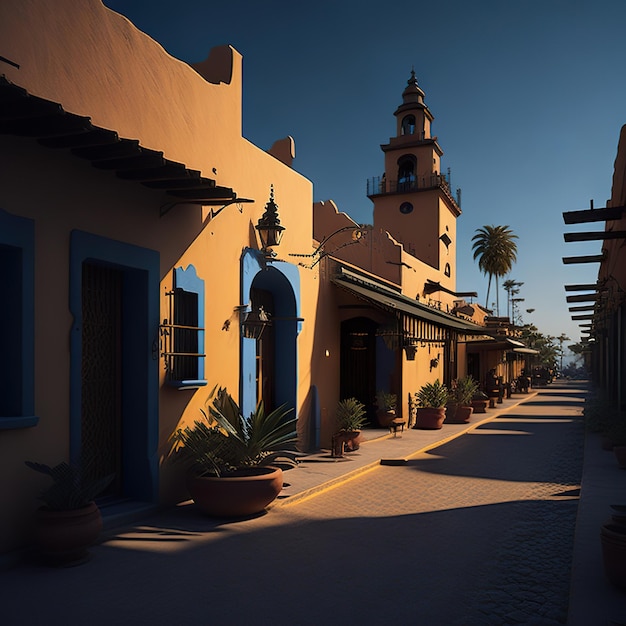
(479, 406)
(345, 441)
(64, 536)
(463, 414)
(385, 418)
(613, 538)
(451, 413)
(246, 492)
(430, 418)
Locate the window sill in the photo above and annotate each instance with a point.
(187, 384)
(24, 421)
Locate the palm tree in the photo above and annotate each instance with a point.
(512, 288)
(562, 338)
(496, 251)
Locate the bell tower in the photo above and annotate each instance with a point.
(412, 199)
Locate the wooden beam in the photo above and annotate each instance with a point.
(594, 215)
(592, 297)
(596, 235)
(588, 287)
(595, 258)
(582, 317)
(589, 307)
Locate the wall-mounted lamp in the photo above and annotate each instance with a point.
(253, 322)
(434, 362)
(269, 227)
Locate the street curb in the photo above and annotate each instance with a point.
(307, 494)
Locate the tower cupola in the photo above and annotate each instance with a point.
(413, 116)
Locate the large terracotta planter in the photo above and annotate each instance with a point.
(345, 441)
(430, 419)
(613, 537)
(241, 494)
(63, 537)
(460, 415)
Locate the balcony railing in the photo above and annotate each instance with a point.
(379, 185)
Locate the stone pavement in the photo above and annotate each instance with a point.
(333, 550)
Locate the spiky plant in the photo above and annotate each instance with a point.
(350, 415)
(386, 401)
(70, 490)
(432, 396)
(464, 390)
(224, 441)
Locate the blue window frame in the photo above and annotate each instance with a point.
(183, 331)
(17, 322)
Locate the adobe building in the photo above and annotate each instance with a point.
(599, 308)
(151, 252)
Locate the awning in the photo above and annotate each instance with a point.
(390, 300)
(25, 115)
(507, 344)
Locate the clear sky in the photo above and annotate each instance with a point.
(529, 97)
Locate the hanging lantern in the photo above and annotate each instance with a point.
(255, 323)
(269, 227)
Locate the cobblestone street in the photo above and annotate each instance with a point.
(476, 531)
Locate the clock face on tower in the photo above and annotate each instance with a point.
(406, 207)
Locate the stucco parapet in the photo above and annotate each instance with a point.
(96, 63)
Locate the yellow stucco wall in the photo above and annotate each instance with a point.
(96, 63)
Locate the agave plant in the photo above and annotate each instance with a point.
(432, 395)
(464, 390)
(70, 490)
(224, 441)
(350, 415)
(386, 401)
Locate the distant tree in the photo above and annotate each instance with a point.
(512, 289)
(562, 338)
(577, 349)
(544, 344)
(496, 251)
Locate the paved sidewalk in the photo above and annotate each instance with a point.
(320, 471)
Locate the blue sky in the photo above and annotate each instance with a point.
(528, 98)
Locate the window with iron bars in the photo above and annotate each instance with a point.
(182, 331)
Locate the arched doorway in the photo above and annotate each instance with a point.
(269, 368)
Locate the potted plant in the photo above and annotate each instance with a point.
(479, 401)
(350, 416)
(460, 406)
(431, 405)
(235, 464)
(69, 521)
(613, 541)
(386, 411)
